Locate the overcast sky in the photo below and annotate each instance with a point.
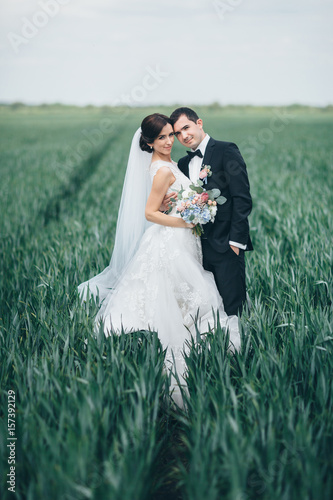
(176, 51)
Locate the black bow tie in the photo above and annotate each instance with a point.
(194, 153)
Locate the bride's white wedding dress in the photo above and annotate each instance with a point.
(165, 286)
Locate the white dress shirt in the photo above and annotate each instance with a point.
(194, 168)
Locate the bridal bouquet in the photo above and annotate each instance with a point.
(198, 206)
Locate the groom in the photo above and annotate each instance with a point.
(226, 239)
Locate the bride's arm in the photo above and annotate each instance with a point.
(161, 182)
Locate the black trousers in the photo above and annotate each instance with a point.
(228, 269)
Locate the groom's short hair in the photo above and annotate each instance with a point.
(188, 112)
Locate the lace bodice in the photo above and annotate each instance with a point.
(181, 179)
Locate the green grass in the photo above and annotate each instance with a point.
(94, 420)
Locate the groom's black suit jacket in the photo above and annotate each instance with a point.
(229, 175)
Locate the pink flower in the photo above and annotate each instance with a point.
(204, 197)
(203, 174)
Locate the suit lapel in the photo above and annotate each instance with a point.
(184, 166)
(208, 152)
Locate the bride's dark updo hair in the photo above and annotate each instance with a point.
(151, 127)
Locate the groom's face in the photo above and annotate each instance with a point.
(189, 133)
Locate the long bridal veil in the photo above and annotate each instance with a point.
(131, 224)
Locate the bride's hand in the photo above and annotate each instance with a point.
(167, 203)
(186, 224)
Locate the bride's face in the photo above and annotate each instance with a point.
(164, 141)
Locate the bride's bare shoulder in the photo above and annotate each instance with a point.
(161, 166)
(161, 171)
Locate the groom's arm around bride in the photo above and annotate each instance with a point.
(224, 241)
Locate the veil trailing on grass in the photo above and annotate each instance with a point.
(131, 223)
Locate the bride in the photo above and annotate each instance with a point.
(155, 279)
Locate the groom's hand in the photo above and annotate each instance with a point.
(235, 249)
(167, 203)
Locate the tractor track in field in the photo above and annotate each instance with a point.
(79, 177)
(52, 212)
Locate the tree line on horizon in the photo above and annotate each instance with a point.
(18, 105)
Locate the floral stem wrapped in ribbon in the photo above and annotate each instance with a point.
(205, 172)
(198, 206)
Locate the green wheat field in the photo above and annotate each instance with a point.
(95, 420)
